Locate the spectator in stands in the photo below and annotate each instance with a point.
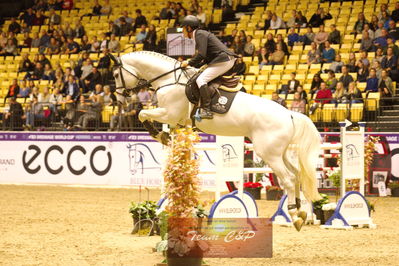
(129, 115)
(98, 91)
(372, 81)
(379, 55)
(96, 11)
(93, 112)
(28, 16)
(34, 112)
(63, 45)
(391, 44)
(331, 81)
(104, 42)
(114, 45)
(239, 67)
(323, 95)
(249, 47)
(383, 8)
(300, 20)
(150, 41)
(366, 42)
(367, 28)
(393, 31)
(395, 13)
(28, 41)
(68, 31)
(346, 78)
(359, 25)
(13, 117)
(385, 19)
(354, 95)
(328, 54)
(385, 86)
(26, 65)
(94, 45)
(293, 37)
(125, 28)
(141, 35)
(321, 37)
(298, 104)
(378, 69)
(56, 100)
(10, 49)
(277, 58)
(276, 22)
(13, 90)
(284, 46)
(71, 88)
(291, 21)
(339, 94)
(109, 98)
(262, 57)
(302, 93)
(113, 28)
(14, 26)
(70, 111)
(24, 90)
(93, 78)
(315, 86)
(352, 63)
(242, 36)
(54, 18)
(87, 68)
(268, 19)
(48, 73)
(39, 18)
(334, 37)
(72, 46)
(309, 36)
(278, 99)
(37, 72)
(314, 56)
(166, 12)
(144, 96)
(362, 71)
(237, 45)
(389, 62)
(42, 59)
(106, 9)
(270, 44)
(363, 58)
(319, 17)
(337, 64)
(53, 47)
(201, 15)
(230, 39)
(67, 4)
(378, 30)
(44, 41)
(79, 30)
(382, 40)
(140, 20)
(291, 86)
(44, 97)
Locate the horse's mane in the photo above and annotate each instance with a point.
(170, 59)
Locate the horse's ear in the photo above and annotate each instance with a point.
(129, 146)
(113, 58)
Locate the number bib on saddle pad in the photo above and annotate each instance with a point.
(223, 91)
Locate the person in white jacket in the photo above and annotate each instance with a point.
(276, 22)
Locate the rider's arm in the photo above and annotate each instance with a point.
(201, 40)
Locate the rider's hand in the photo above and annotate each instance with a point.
(184, 64)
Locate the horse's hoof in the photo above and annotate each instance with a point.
(165, 138)
(303, 215)
(298, 224)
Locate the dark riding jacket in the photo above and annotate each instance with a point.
(210, 49)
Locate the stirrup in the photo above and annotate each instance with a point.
(205, 114)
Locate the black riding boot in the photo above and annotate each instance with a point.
(205, 111)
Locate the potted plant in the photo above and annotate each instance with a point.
(254, 189)
(182, 187)
(394, 186)
(273, 193)
(328, 210)
(143, 215)
(318, 207)
(335, 178)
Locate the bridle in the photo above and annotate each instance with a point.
(142, 83)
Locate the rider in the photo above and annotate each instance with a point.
(211, 51)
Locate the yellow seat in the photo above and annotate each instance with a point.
(372, 101)
(328, 112)
(262, 79)
(341, 112)
(357, 112)
(253, 70)
(270, 88)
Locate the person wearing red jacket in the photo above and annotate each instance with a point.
(67, 5)
(323, 93)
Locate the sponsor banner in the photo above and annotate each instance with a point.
(130, 159)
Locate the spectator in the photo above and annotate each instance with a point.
(25, 28)
(95, 45)
(237, 46)
(385, 86)
(125, 28)
(87, 68)
(13, 117)
(113, 28)
(10, 49)
(378, 69)
(367, 28)
(321, 37)
(54, 18)
(93, 78)
(34, 112)
(276, 98)
(331, 81)
(48, 73)
(293, 37)
(150, 41)
(364, 59)
(98, 91)
(201, 15)
(114, 45)
(309, 36)
(354, 95)
(276, 22)
(382, 40)
(323, 95)
(249, 47)
(391, 44)
(319, 17)
(109, 97)
(239, 67)
(328, 53)
(14, 26)
(335, 36)
(298, 104)
(389, 62)
(385, 19)
(53, 47)
(359, 25)
(337, 64)
(141, 35)
(293, 83)
(63, 44)
(262, 57)
(67, 4)
(268, 20)
(366, 42)
(128, 19)
(140, 20)
(383, 8)
(372, 81)
(302, 93)
(39, 18)
(96, 11)
(28, 41)
(284, 46)
(300, 20)
(379, 55)
(374, 23)
(93, 113)
(393, 31)
(26, 64)
(291, 22)
(129, 115)
(24, 90)
(243, 36)
(44, 41)
(71, 111)
(277, 58)
(315, 86)
(56, 101)
(104, 42)
(104, 63)
(314, 56)
(13, 90)
(352, 63)
(362, 71)
(339, 95)
(106, 9)
(28, 16)
(143, 96)
(378, 31)
(166, 12)
(71, 88)
(395, 13)
(72, 46)
(270, 44)
(79, 30)
(346, 78)
(44, 97)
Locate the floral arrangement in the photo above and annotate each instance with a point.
(270, 188)
(318, 204)
(252, 185)
(329, 206)
(393, 184)
(369, 150)
(182, 187)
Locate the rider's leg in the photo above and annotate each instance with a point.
(210, 73)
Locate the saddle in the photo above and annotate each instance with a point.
(222, 89)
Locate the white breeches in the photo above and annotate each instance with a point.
(213, 71)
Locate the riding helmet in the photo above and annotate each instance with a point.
(191, 21)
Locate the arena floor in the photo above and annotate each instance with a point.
(52, 225)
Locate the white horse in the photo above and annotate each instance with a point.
(271, 127)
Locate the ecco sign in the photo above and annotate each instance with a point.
(27, 162)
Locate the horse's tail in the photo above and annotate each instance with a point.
(307, 141)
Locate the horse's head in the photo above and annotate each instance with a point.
(125, 77)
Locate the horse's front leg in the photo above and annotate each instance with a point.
(157, 114)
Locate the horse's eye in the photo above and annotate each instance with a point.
(116, 75)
